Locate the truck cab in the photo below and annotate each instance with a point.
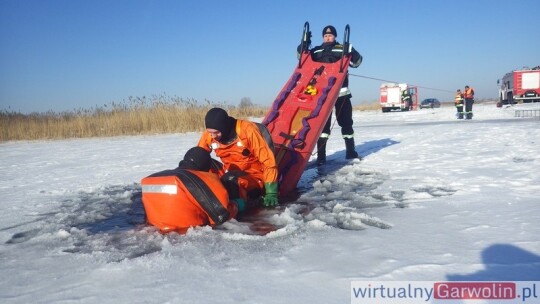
(520, 86)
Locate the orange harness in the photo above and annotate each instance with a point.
(469, 93)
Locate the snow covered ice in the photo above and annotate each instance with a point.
(435, 198)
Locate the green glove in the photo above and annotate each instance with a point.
(271, 194)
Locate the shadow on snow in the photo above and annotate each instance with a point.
(504, 262)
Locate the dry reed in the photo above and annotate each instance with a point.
(135, 116)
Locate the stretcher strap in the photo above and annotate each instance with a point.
(281, 99)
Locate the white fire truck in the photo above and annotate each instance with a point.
(520, 86)
(391, 97)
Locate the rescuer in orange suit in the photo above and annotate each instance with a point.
(459, 104)
(330, 51)
(248, 161)
(199, 198)
(468, 95)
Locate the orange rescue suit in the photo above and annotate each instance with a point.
(249, 152)
(175, 200)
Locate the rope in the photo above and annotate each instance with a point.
(384, 80)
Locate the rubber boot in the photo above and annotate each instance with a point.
(321, 151)
(350, 153)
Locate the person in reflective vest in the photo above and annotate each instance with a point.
(459, 104)
(468, 96)
(248, 161)
(330, 51)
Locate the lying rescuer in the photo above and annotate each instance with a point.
(190, 195)
(249, 163)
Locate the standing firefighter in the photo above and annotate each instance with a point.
(459, 104)
(331, 51)
(468, 95)
(407, 99)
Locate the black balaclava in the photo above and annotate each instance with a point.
(218, 119)
(196, 158)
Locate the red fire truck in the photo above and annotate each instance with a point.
(391, 97)
(520, 86)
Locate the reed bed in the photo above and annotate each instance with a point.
(134, 116)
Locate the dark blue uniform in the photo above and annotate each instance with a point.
(330, 53)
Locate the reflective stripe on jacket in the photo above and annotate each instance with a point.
(459, 98)
(181, 198)
(332, 52)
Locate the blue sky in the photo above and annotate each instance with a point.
(72, 54)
